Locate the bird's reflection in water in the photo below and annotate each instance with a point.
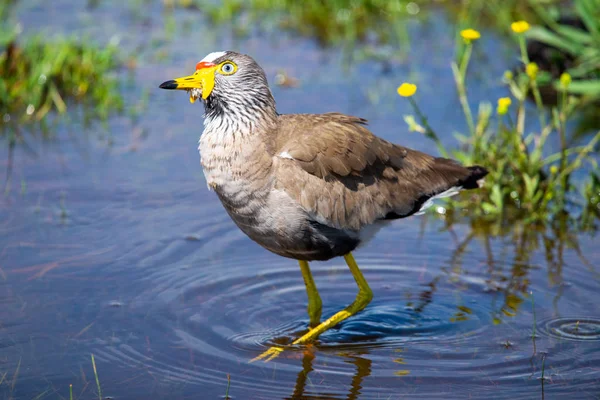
(363, 370)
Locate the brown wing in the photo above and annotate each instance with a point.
(346, 177)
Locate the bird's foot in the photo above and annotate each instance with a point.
(268, 355)
(308, 337)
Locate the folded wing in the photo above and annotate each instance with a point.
(346, 177)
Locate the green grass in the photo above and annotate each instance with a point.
(42, 77)
(355, 25)
(535, 197)
(527, 183)
(361, 27)
(97, 379)
(575, 49)
(227, 388)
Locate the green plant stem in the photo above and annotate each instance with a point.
(462, 96)
(97, 379)
(564, 178)
(523, 47)
(538, 102)
(464, 62)
(227, 389)
(511, 123)
(521, 118)
(583, 153)
(557, 156)
(534, 87)
(429, 132)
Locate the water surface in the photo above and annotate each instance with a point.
(110, 244)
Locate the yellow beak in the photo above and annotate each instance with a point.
(203, 79)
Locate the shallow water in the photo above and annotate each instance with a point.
(120, 251)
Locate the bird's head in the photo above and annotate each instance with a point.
(227, 82)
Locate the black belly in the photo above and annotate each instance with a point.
(318, 242)
(311, 242)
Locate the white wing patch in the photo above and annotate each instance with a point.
(213, 56)
(368, 232)
(450, 192)
(285, 154)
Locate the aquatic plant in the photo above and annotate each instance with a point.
(328, 21)
(527, 182)
(569, 44)
(97, 379)
(371, 22)
(41, 76)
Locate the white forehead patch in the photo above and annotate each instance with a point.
(213, 56)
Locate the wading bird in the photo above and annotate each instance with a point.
(307, 186)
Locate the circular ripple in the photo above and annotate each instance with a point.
(209, 305)
(380, 325)
(573, 328)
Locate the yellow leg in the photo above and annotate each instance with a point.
(314, 300)
(363, 298)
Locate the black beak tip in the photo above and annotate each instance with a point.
(168, 85)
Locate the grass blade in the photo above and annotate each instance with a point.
(97, 379)
(546, 36)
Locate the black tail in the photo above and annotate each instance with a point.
(471, 181)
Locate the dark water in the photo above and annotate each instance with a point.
(118, 250)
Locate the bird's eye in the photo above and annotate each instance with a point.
(228, 68)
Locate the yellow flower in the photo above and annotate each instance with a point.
(503, 104)
(469, 34)
(565, 80)
(532, 70)
(520, 26)
(553, 169)
(407, 89)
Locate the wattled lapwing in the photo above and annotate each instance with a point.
(307, 186)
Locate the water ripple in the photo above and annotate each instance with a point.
(584, 328)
